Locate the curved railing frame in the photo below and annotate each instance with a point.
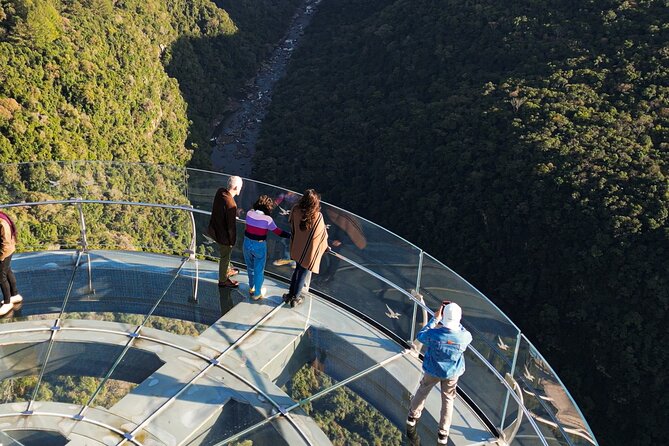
(190, 252)
(418, 303)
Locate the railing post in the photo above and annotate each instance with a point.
(513, 370)
(186, 184)
(83, 243)
(415, 305)
(191, 257)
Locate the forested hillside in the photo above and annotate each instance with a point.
(525, 144)
(104, 79)
(123, 80)
(212, 68)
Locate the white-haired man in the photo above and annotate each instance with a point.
(446, 340)
(223, 228)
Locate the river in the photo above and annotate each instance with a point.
(234, 139)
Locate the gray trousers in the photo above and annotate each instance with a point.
(448, 392)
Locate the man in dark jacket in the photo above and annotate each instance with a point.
(444, 362)
(223, 228)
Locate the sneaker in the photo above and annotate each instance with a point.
(6, 308)
(411, 421)
(263, 291)
(16, 299)
(281, 262)
(442, 438)
(287, 298)
(295, 301)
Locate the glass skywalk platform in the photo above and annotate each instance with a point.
(125, 337)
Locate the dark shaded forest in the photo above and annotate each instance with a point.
(522, 143)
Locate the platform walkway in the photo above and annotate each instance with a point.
(205, 388)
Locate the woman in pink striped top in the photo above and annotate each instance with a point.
(258, 224)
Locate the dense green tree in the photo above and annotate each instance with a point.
(124, 80)
(345, 417)
(532, 135)
(128, 80)
(532, 138)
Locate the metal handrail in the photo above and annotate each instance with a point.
(191, 253)
(67, 417)
(80, 201)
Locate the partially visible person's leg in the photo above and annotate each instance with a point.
(224, 262)
(12, 283)
(260, 254)
(10, 277)
(4, 280)
(418, 401)
(448, 393)
(297, 281)
(8, 285)
(224, 266)
(250, 262)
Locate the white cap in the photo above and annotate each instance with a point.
(451, 315)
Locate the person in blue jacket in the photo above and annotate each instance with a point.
(445, 340)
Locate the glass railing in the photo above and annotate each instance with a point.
(165, 209)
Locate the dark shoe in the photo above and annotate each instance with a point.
(411, 421)
(286, 298)
(229, 283)
(442, 439)
(295, 301)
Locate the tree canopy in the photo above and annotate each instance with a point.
(525, 145)
(124, 79)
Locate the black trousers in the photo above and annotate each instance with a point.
(7, 279)
(298, 280)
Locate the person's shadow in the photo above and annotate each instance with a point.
(225, 295)
(412, 436)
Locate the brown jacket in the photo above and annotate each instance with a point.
(8, 243)
(223, 222)
(307, 247)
